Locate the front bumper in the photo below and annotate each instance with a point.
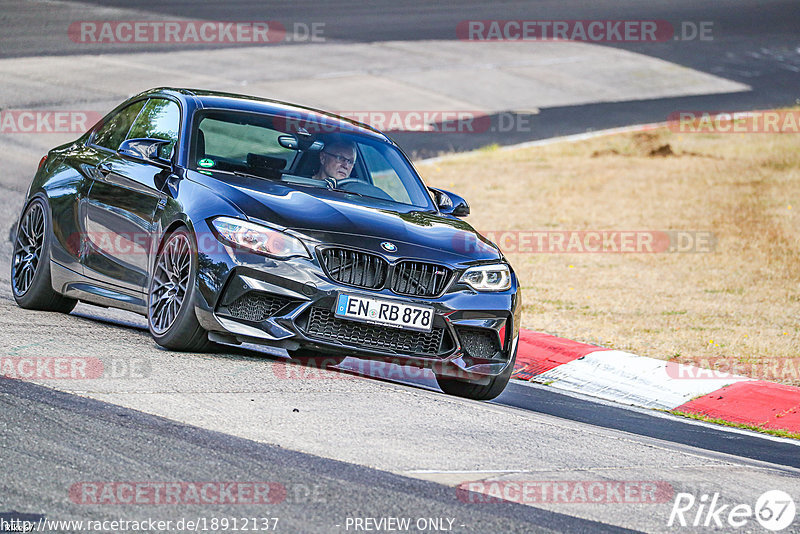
(289, 304)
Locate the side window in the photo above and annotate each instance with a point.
(160, 119)
(111, 134)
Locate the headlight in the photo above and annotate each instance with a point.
(259, 238)
(488, 277)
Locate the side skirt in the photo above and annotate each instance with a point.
(74, 285)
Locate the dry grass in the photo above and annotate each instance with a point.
(738, 305)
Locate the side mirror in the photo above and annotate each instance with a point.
(450, 203)
(144, 149)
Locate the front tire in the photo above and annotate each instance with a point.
(30, 264)
(171, 296)
(476, 391)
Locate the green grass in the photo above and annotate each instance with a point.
(755, 428)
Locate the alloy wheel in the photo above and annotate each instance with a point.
(28, 248)
(170, 283)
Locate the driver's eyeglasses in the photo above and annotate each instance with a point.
(341, 159)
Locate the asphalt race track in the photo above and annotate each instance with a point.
(246, 415)
(754, 43)
(318, 493)
(346, 443)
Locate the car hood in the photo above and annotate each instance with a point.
(332, 217)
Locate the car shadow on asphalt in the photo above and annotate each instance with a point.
(350, 368)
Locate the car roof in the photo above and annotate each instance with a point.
(194, 99)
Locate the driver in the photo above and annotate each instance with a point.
(336, 161)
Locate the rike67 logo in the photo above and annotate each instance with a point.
(774, 510)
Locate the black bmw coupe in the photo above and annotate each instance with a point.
(227, 219)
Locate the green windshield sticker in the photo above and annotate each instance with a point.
(206, 162)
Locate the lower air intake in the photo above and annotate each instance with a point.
(478, 342)
(254, 306)
(324, 325)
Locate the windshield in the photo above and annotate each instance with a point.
(271, 147)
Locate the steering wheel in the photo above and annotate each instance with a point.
(362, 187)
(348, 181)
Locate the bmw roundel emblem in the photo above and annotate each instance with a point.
(388, 247)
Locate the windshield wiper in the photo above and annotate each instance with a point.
(241, 174)
(345, 191)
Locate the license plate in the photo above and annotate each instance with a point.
(386, 312)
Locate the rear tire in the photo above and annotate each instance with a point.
(31, 283)
(473, 390)
(172, 293)
(312, 358)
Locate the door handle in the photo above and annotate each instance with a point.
(104, 167)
